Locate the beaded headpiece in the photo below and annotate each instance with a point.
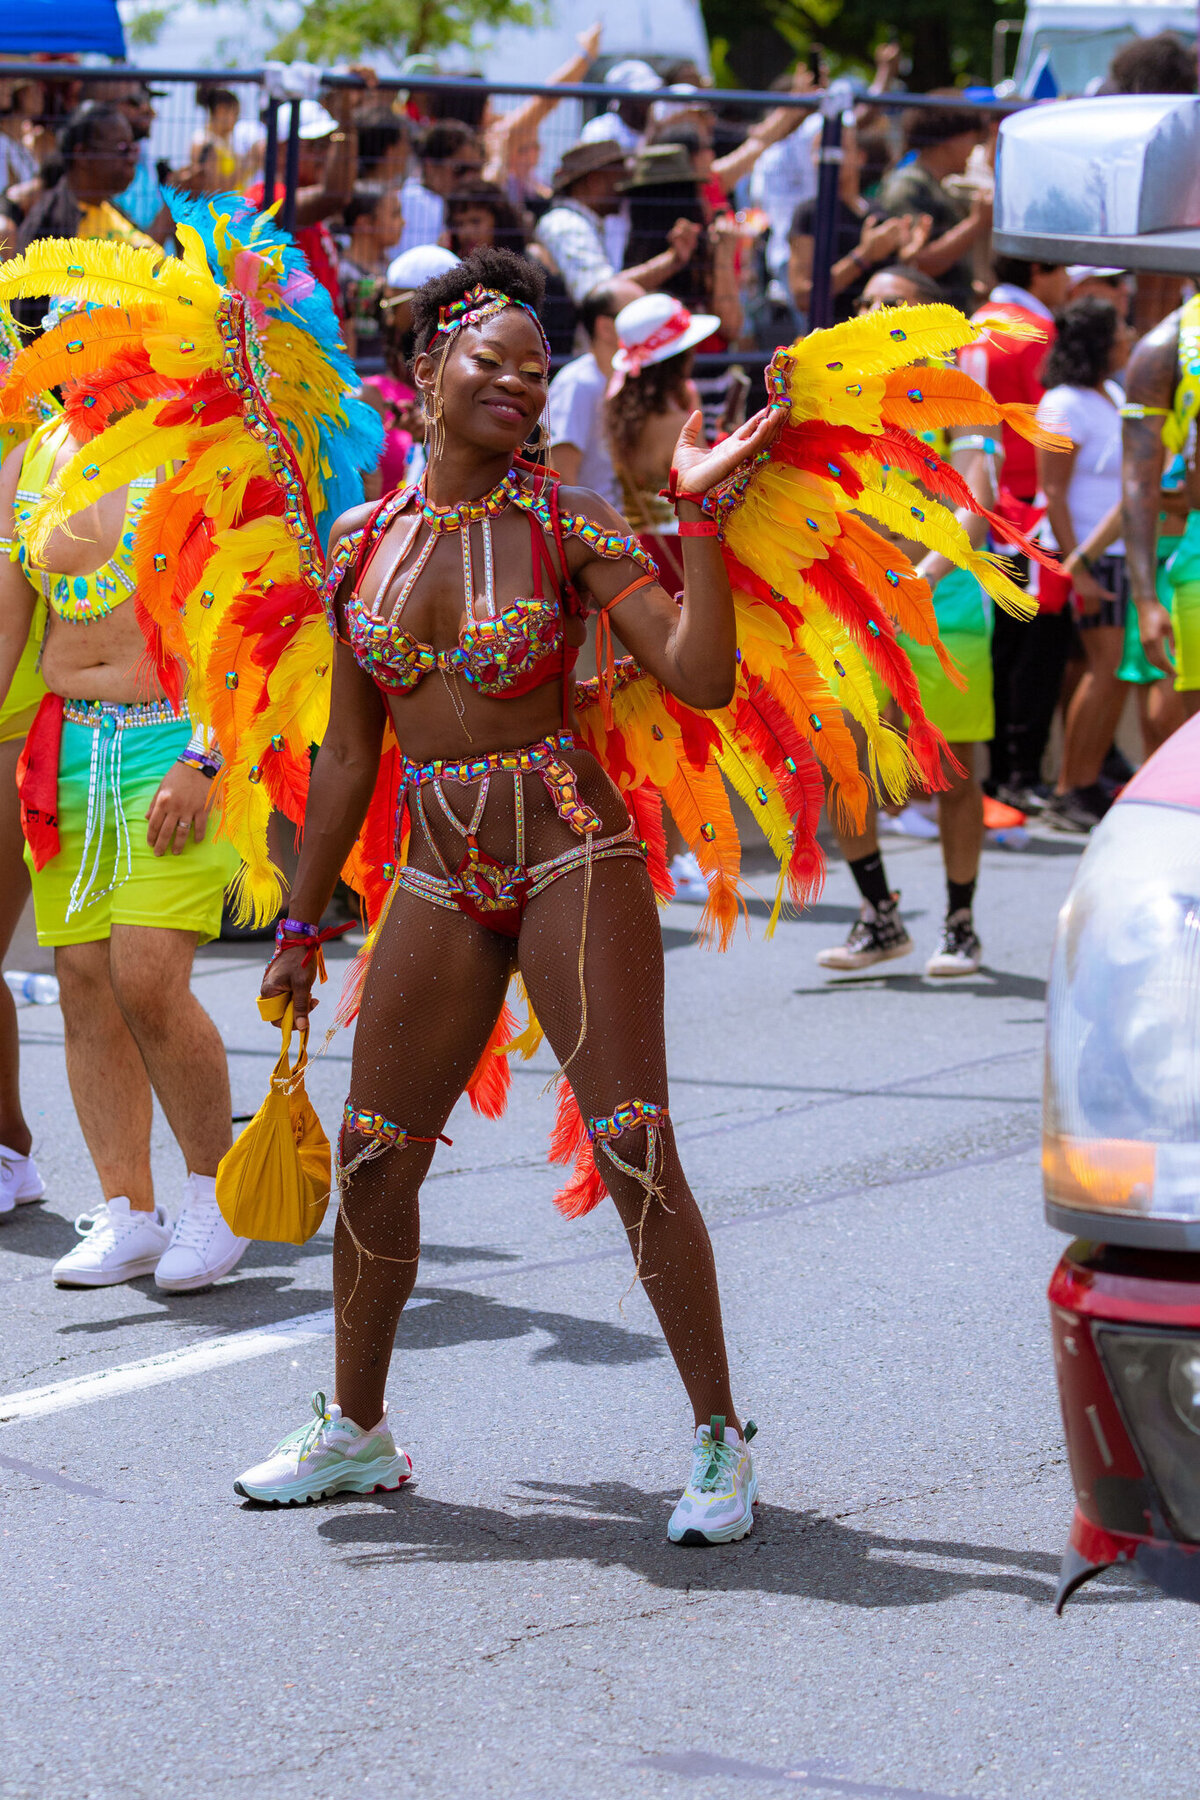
(476, 305)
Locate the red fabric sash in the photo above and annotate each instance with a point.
(37, 781)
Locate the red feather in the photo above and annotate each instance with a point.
(285, 777)
(488, 1087)
(812, 447)
(851, 604)
(772, 735)
(901, 450)
(646, 811)
(89, 405)
(569, 1143)
(701, 739)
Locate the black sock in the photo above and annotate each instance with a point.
(959, 895)
(871, 878)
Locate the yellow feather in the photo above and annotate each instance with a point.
(113, 274)
(888, 498)
(750, 777)
(135, 445)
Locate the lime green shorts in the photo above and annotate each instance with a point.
(105, 873)
(964, 615)
(27, 688)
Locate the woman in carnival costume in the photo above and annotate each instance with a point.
(502, 820)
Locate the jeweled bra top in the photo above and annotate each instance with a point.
(501, 654)
(77, 599)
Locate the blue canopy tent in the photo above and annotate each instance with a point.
(39, 26)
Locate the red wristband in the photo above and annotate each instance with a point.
(698, 528)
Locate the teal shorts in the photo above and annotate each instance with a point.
(105, 873)
(1183, 579)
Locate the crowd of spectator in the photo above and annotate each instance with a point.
(674, 226)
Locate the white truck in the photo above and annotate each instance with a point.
(1077, 38)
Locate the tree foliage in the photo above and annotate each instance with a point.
(756, 40)
(331, 30)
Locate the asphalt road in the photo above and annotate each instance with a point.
(514, 1624)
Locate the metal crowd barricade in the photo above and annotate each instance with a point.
(277, 91)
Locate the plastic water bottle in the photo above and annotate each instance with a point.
(1009, 837)
(34, 990)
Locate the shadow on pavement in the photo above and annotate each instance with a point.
(454, 1318)
(611, 1524)
(998, 984)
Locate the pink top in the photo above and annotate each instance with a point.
(396, 442)
(1172, 775)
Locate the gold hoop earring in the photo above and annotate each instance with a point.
(435, 430)
(541, 449)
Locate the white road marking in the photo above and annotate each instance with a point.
(170, 1365)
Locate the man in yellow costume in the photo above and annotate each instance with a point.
(127, 877)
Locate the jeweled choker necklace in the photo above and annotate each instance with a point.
(468, 512)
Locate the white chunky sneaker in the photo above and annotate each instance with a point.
(202, 1247)
(688, 877)
(20, 1181)
(331, 1455)
(118, 1245)
(717, 1505)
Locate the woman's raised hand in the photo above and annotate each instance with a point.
(698, 468)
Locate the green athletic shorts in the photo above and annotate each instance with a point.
(964, 615)
(105, 873)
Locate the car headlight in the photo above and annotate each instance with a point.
(1156, 1377)
(1122, 1097)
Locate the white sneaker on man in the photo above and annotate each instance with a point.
(717, 1505)
(688, 877)
(202, 1247)
(118, 1245)
(20, 1182)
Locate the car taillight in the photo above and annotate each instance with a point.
(1122, 1096)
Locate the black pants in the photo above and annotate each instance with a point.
(1028, 660)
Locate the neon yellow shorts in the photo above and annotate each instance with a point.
(1182, 576)
(105, 873)
(27, 689)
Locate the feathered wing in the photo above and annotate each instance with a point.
(824, 598)
(243, 401)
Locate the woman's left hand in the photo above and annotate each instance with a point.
(698, 468)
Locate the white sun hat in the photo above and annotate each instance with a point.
(654, 327)
(632, 72)
(315, 121)
(413, 268)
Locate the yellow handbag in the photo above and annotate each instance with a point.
(274, 1183)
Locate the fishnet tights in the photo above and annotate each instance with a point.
(434, 992)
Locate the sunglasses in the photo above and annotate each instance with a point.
(466, 168)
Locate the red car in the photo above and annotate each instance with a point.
(1121, 1166)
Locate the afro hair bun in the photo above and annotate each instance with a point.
(502, 270)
